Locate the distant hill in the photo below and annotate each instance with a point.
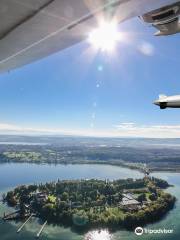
(156, 154)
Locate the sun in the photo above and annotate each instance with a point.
(105, 37)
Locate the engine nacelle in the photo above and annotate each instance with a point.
(163, 105)
(165, 19)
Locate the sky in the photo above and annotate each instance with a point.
(80, 91)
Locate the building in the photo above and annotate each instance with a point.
(128, 202)
(41, 197)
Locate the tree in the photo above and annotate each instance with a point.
(11, 199)
(142, 197)
(32, 188)
(152, 197)
(64, 196)
(48, 211)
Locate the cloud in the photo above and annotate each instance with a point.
(124, 129)
(9, 127)
(154, 131)
(126, 125)
(6, 128)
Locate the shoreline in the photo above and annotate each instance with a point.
(152, 170)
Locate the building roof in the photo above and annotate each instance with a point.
(128, 199)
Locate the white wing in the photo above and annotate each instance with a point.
(33, 29)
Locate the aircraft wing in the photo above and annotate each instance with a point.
(33, 29)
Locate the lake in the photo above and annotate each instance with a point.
(13, 174)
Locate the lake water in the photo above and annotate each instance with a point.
(13, 174)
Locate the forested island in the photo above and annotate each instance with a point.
(90, 203)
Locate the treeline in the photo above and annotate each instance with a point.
(61, 153)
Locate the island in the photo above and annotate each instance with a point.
(89, 203)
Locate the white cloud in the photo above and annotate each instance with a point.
(124, 129)
(125, 125)
(9, 127)
(133, 130)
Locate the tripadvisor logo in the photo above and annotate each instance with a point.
(139, 231)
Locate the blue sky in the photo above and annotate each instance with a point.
(80, 92)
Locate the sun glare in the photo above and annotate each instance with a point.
(98, 235)
(105, 37)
